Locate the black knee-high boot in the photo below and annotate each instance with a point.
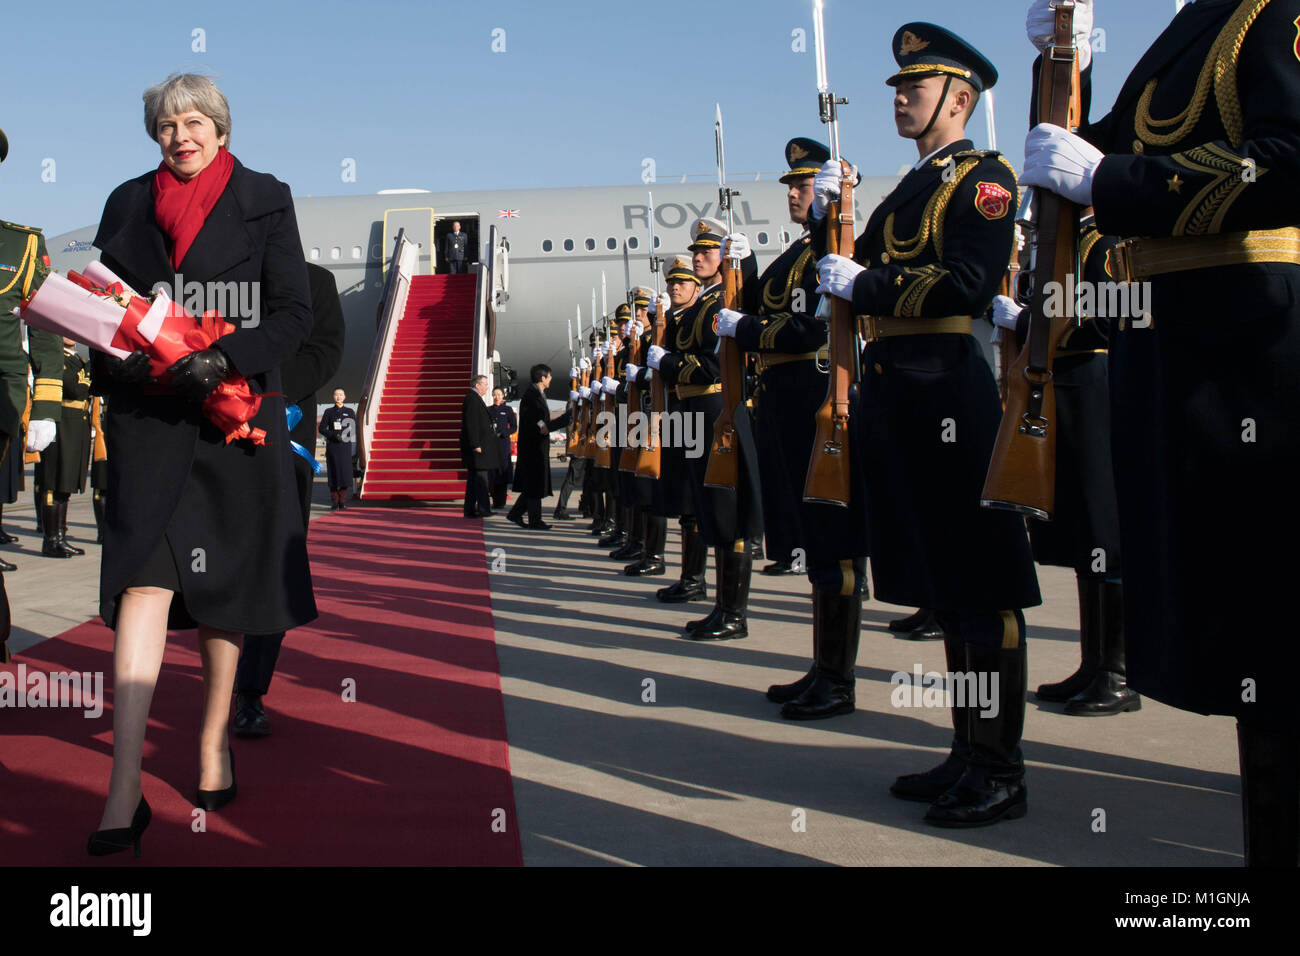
(932, 784)
(62, 505)
(1090, 624)
(695, 553)
(1108, 692)
(635, 546)
(734, 570)
(839, 619)
(652, 557)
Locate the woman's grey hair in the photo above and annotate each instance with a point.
(182, 92)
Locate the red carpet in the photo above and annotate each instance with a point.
(413, 773)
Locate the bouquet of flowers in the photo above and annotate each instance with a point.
(98, 309)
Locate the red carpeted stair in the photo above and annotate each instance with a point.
(415, 452)
(388, 742)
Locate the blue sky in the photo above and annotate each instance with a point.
(415, 95)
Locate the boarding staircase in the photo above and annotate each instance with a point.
(430, 344)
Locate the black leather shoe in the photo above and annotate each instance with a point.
(51, 548)
(517, 519)
(781, 693)
(615, 539)
(827, 696)
(932, 784)
(562, 514)
(7, 566)
(679, 592)
(904, 625)
(631, 551)
(926, 632)
(6, 537)
(648, 566)
(780, 567)
(731, 627)
(980, 798)
(250, 717)
(216, 799)
(539, 526)
(1108, 694)
(104, 842)
(712, 619)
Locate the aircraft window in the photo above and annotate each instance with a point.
(335, 252)
(611, 243)
(315, 253)
(633, 242)
(568, 245)
(356, 252)
(547, 245)
(657, 242)
(590, 244)
(762, 238)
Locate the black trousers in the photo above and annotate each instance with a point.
(477, 500)
(533, 506)
(456, 266)
(260, 651)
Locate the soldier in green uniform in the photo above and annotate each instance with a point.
(22, 257)
(64, 462)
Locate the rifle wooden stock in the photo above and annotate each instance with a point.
(724, 454)
(588, 418)
(631, 456)
(1022, 468)
(828, 480)
(571, 440)
(649, 463)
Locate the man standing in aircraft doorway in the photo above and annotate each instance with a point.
(454, 247)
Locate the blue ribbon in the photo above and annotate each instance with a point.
(294, 415)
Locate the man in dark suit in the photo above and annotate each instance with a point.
(309, 369)
(479, 451)
(455, 246)
(533, 467)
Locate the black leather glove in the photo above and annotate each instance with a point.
(196, 375)
(132, 370)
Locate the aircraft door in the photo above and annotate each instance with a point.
(418, 223)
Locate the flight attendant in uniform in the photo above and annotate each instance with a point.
(339, 426)
(931, 257)
(455, 247)
(1195, 167)
(729, 519)
(789, 341)
(64, 462)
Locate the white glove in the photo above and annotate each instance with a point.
(663, 304)
(611, 385)
(595, 387)
(1006, 312)
(573, 396)
(1041, 22)
(727, 322)
(630, 371)
(541, 427)
(736, 246)
(598, 352)
(40, 432)
(826, 186)
(637, 329)
(584, 363)
(649, 374)
(585, 392)
(656, 353)
(573, 373)
(1058, 160)
(837, 275)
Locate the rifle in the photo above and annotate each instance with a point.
(603, 457)
(1022, 469)
(724, 460)
(649, 463)
(571, 440)
(589, 429)
(828, 480)
(1004, 341)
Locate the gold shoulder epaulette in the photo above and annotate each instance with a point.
(17, 226)
(977, 153)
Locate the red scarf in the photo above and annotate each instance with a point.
(181, 206)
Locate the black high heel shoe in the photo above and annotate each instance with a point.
(104, 842)
(216, 799)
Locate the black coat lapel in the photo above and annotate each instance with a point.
(223, 242)
(1191, 21)
(138, 245)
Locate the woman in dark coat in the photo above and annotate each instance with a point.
(533, 468)
(339, 426)
(505, 424)
(198, 532)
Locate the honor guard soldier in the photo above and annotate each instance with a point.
(65, 461)
(98, 465)
(790, 343)
(1084, 531)
(931, 257)
(1195, 167)
(617, 536)
(728, 519)
(672, 496)
(634, 336)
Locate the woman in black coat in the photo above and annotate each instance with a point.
(198, 532)
(505, 424)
